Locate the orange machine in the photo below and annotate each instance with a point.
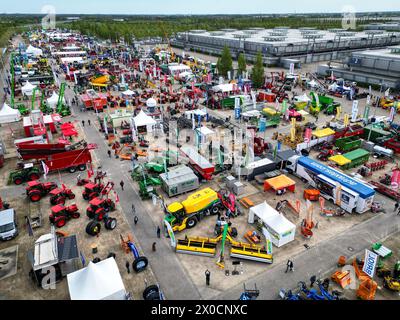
(252, 237)
(358, 270)
(341, 261)
(367, 290)
(342, 278)
(311, 194)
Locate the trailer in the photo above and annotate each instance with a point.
(348, 143)
(178, 180)
(70, 160)
(202, 167)
(376, 134)
(94, 100)
(386, 190)
(357, 157)
(349, 193)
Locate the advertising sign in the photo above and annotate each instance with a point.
(370, 262)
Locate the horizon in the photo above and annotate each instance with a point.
(206, 7)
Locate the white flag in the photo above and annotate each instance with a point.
(45, 170)
(170, 233)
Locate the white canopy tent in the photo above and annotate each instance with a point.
(28, 88)
(53, 100)
(224, 87)
(178, 68)
(98, 281)
(128, 93)
(302, 98)
(34, 51)
(276, 226)
(143, 120)
(8, 114)
(204, 134)
(312, 84)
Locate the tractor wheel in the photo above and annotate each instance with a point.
(215, 210)
(140, 264)
(93, 228)
(34, 176)
(110, 223)
(18, 180)
(75, 215)
(191, 222)
(151, 293)
(71, 169)
(82, 167)
(85, 196)
(35, 195)
(60, 222)
(71, 196)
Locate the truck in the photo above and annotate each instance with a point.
(351, 194)
(186, 214)
(8, 224)
(348, 143)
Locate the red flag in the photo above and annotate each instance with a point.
(307, 135)
(116, 197)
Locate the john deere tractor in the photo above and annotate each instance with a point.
(25, 172)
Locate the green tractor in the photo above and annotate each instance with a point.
(147, 187)
(25, 172)
(23, 110)
(157, 165)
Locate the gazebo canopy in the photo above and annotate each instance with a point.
(142, 119)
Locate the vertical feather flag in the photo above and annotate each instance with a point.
(45, 170)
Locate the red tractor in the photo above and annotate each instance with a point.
(92, 190)
(59, 196)
(325, 154)
(60, 215)
(36, 190)
(98, 208)
(260, 146)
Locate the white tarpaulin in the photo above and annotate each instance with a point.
(280, 229)
(8, 114)
(128, 93)
(28, 88)
(98, 281)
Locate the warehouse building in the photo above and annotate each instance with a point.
(373, 67)
(281, 45)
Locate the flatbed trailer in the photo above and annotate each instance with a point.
(386, 190)
(200, 165)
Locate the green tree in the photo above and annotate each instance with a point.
(241, 64)
(257, 74)
(219, 65)
(225, 62)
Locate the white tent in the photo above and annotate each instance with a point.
(151, 102)
(280, 229)
(8, 114)
(224, 87)
(143, 119)
(27, 89)
(313, 83)
(53, 100)
(34, 51)
(204, 134)
(302, 98)
(128, 93)
(98, 281)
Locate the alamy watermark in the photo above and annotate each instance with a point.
(349, 20)
(49, 20)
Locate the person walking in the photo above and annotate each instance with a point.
(208, 276)
(289, 266)
(312, 280)
(158, 232)
(396, 206)
(127, 265)
(83, 123)
(122, 185)
(88, 122)
(109, 153)
(135, 220)
(153, 247)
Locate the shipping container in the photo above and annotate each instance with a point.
(178, 180)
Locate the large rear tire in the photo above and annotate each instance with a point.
(191, 222)
(35, 195)
(71, 169)
(110, 223)
(60, 222)
(140, 264)
(18, 180)
(93, 228)
(82, 167)
(34, 176)
(151, 293)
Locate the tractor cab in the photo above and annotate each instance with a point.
(57, 209)
(175, 213)
(92, 190)
(55, 192)
(96, 203)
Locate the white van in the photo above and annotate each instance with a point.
(8, 225)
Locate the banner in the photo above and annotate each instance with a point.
(284, 106)
(370, 262)
(291, 69)
(392, 113)
(346, 120)
(170, 233)
(268, 241)
(45, 170)
(366, 111)
(307, 135)
(354, 111)
(262, 125)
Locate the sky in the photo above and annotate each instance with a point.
(195, 7)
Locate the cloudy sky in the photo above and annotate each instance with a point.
(196, 7)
